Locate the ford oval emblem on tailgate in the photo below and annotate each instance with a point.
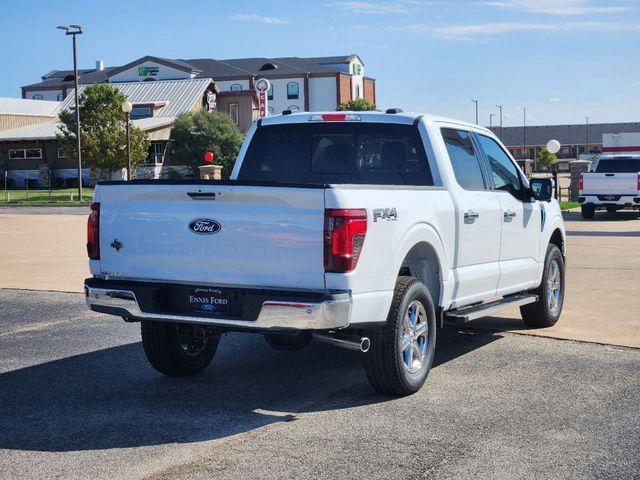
(205, 226)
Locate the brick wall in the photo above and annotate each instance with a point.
(369, 90)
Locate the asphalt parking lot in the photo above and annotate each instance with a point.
(78, 399)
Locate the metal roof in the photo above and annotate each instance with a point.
(21, 106)
(180, 95)
(565, 134)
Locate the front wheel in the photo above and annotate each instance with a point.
(545, 312)
(401, 352)
(177, 350)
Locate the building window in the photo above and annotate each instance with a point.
(140, 112)
(236, 87)
(271, 111)
(294, 108)
(61, 153)
(156, 152)
(19, 153)
(357, 92)
(234, 113)
(270, 92)
(293, 91)
(37, 96)
(59, 97)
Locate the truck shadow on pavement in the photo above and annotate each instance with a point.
(112, 399)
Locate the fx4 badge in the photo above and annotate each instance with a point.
(389, 214)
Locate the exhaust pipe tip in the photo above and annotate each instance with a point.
(365, 344)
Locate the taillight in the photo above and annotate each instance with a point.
(581, 183)
(639, 181)
(344, 232)
(93, 232)
(335, 117)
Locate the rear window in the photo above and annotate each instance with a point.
(357, 153)
(619, 165)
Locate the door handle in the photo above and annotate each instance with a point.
(471, 215)
(509, 214)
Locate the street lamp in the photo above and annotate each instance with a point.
(500, 107)
(74, 30)
(491, 115)
(476, 102)
(586, 127)
(126, 108)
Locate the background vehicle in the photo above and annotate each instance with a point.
(363, 230)
(613, 183)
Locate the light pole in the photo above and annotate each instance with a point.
(500, 107)
(74, 30)
(491, 115)
(476, 102)
(524, 132)
(587, 132)
(126, 108)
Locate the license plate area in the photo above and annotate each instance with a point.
(210, 301)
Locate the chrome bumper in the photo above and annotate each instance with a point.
(274, 315)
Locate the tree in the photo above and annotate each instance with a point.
(102, 131)
(359, 105)
(198, 132)
(545, 159)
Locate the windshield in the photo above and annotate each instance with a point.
(618, 165)
(325, 153)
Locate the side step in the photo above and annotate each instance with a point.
(463, 315)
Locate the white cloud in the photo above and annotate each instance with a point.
(370, 7)
(556, 7)
(554, 100)
(253, 17)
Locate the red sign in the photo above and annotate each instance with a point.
(208, 157)
(262, 87)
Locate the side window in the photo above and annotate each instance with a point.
(503, 171)
(463, 158)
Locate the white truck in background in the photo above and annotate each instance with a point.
(364, 230)
(613, 183)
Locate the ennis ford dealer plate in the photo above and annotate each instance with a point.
(208, 301)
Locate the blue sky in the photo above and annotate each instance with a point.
(562, 59)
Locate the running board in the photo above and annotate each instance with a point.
(463, 315)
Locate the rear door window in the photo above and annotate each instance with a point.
(326, 153)
(619, 165)
(464, 160)
(503, 171)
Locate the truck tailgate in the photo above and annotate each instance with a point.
(268, 236)
(610, 183)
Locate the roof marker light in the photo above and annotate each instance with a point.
(335, 117)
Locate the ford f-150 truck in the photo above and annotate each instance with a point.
(364, 230)
(614, 183)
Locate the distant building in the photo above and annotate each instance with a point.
(161, 89)
(575, 139)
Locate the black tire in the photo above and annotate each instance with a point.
(174, 350)
(384, 363)
(588, 211)
(540, 314)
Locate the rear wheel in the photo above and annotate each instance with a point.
(177, 350)
(546, 311)
(401, 352)
(588, 211)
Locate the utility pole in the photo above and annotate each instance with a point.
(491, 115)
(476, 102)
(524, 133)
(500, 107)
(74, 30)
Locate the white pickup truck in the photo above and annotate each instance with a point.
(614, 183)
(365, 230)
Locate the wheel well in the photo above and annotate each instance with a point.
(422, 262)
(557, 240)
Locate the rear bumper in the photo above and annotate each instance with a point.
(609, 200)
(275, 310)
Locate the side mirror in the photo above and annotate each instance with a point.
(542, 189)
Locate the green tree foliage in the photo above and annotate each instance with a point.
(359, 105)
(545, 159)
(198, 132)
(102, 131)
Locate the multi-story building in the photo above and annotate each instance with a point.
(161, 89)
